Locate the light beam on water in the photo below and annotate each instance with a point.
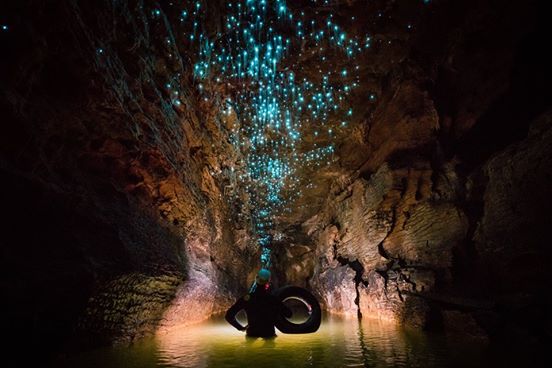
(340, 342)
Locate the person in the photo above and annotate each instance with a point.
(262, 309)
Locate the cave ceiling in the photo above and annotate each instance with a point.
(274, 106)
(338, 58)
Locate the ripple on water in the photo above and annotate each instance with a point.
(339, 343)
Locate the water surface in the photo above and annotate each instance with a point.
(339, 343)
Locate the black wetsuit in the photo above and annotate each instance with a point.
(262, 309)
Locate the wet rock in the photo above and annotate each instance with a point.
(194, 301)
(128, 308)
(336, 288)
(377, 300)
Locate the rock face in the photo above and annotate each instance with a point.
(441, 225)
(392, 236)
(405, 245)
(130, 306)
(116, 179)
(511, 235)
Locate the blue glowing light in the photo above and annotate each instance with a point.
(257, 53)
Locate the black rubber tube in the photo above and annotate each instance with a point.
(312, 323)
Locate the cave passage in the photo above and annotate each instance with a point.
(392, 158)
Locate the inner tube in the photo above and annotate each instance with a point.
(315, 313)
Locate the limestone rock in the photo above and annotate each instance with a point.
(336, 288)
(511, 235)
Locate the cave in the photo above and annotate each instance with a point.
(392, 158)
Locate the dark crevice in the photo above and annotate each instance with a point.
(399, 292)
(381, 250)
(404, 186)
(418, 196)
(436, 164)
(464, 256)
(406, 218)
(356, 266)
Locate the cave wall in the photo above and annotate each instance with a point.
(442, 226)
(114, 184)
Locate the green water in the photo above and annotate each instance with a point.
(339, 343)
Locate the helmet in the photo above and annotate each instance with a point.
(263, 276)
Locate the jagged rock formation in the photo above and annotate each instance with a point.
(441, 224)
(407, 245)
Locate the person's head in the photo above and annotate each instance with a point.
(263, 277)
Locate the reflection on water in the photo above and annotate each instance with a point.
(338, 343)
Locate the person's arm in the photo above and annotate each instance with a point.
(232, 312)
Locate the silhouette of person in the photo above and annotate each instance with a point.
(262, 309)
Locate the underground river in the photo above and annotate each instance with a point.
(340, 342)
